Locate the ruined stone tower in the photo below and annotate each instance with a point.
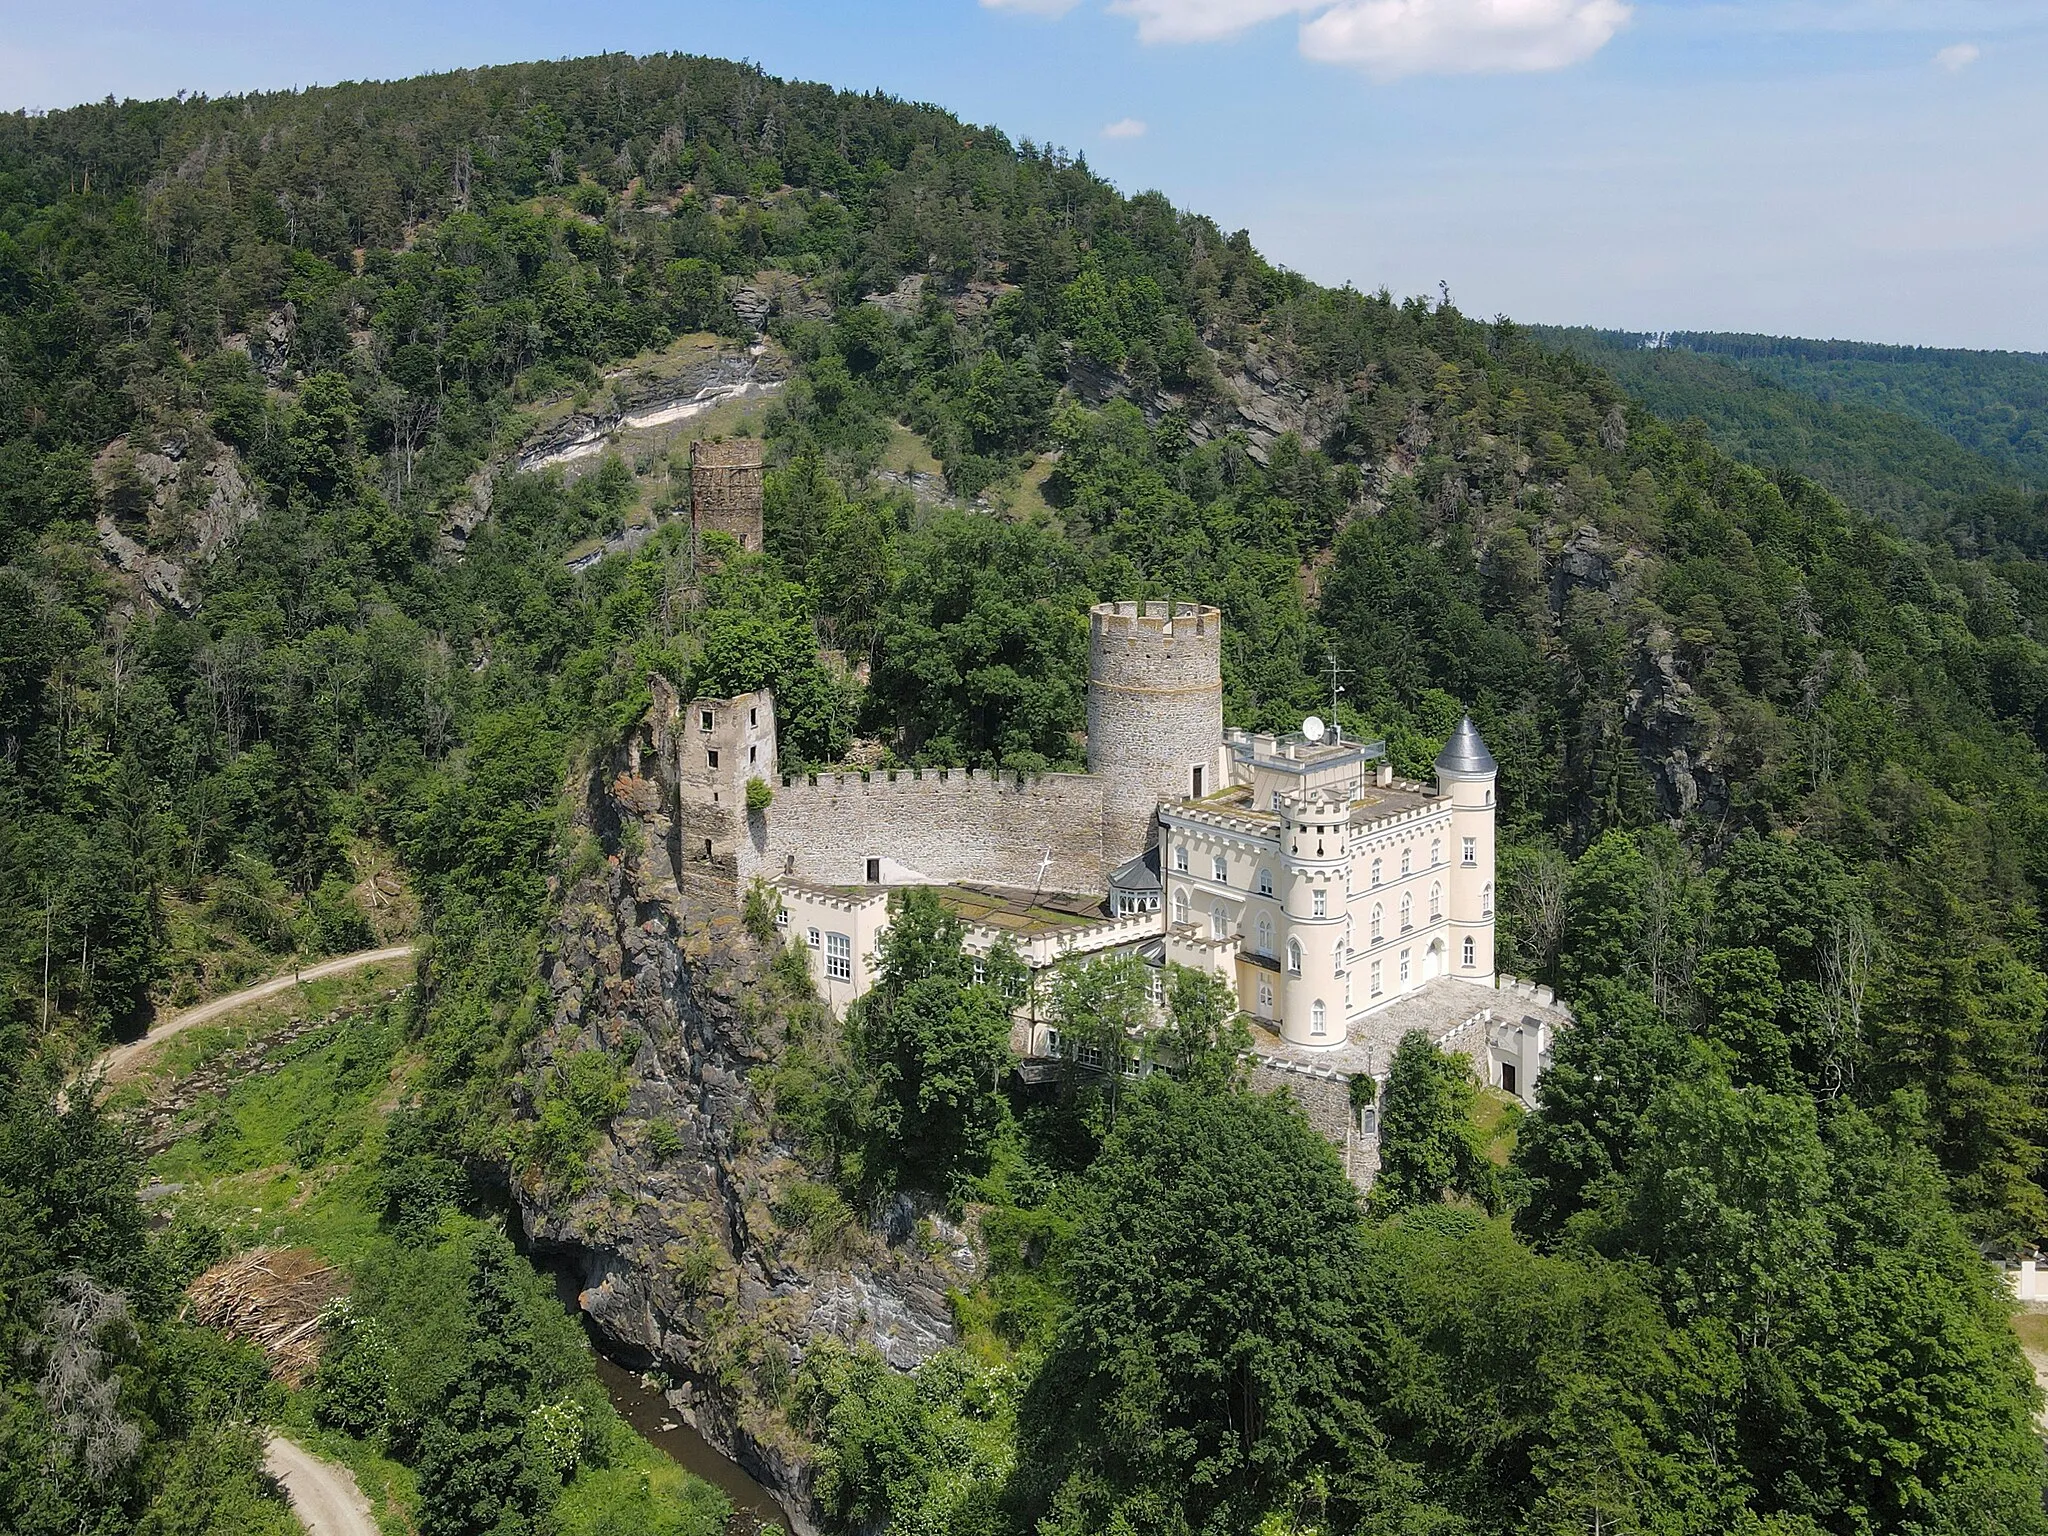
(725, 488)
(1155, 711)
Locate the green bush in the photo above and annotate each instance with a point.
(351, 1387)
(759, 796)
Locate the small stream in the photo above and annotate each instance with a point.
(643, 1407)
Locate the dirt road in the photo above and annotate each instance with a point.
(324, 1497)
(121, 1061)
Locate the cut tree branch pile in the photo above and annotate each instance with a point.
(272, 1298)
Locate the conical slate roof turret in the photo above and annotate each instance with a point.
(1465, 755)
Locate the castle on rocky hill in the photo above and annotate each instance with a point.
(1343, 905)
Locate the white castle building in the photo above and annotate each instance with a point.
(1344, 906)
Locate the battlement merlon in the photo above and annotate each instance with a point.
(1155, 618)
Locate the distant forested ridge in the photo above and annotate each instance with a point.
(1918, 434)
(1768, 688)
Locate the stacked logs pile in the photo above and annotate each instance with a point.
(272, 1298)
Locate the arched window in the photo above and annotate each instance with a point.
(1471, 952)
(1486, 900)
(1265, 934)
(1219, 921)
(1220, 868)
(1407, 912)
(1265, 882)
(1375, 871)
(1378, 912)
(1180, 857)
(1436, 851)
(1407, 857)
(1436, 901)
(1180, 906)
(1294, 957)
(1318, 1018)
(1265, 998)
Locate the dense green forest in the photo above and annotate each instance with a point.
(1939, 442)
(1775, 813)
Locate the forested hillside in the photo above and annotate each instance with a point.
(1937, 442)
(1772, 784)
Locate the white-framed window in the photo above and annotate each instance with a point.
(1219, 867)
(1180, 857)
(1319, 901)
(1436, 852)
(1486, 900)
(1318, 1018)
(1180, 906)
(838, 957)
(1374, 978)
(1471, 851)
(1407, 858)
(1052, 1042)
(1471, 952)
(1294, 957)
(1407, 911)
(1375, 871)
(1404, 964)
(1378, 915)
(1159, 987)
(1436, 900)
(781, 916)
(815, 939)
(1265, 882)
(1265, 934)
(1265, 998)
(980, 970)
(1219, 921)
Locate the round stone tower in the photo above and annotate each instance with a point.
(1315, 855)
(1466, 772)
(1155, 712)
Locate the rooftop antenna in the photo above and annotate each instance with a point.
(1336, 692)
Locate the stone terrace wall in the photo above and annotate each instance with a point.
(947, 824)
(1325, 1099)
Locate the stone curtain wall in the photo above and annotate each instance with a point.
(725, 488)
(948, 824)
(1326, 1101)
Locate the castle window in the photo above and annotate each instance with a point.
(1294, 957)
(1265, 935)
(712, 756)
(1471, 952)
(1265, 998)
(1052, 1042)
(874, 871)
(1219, 921)
(1220, 867)
(1180, 907)
(814, 938)
(1486, 900)
(1471, 851)
(781, 916)
(753, 718)
(1489, 797)
(750, 753)
(1374, 978)
(1195, 782)
(1378, 914)
(1436, 901)
(704, 719)
(1436, 852)
(980, 970)
(1375, 871)
(1265, 882)
(1407, 912)
(1180, 857)
(1406, 859)
(1318, 1018)
(1320, 902)
(838, 957)
(1404, 964)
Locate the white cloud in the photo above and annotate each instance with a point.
(1124, 128)
(1387, 38)
(1031, 7)
(1957, 57)
(1203, 21)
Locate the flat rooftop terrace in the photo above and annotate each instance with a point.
(1027, 914)
(1372, 803)
(1436, 1008)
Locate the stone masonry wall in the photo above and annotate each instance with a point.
(1326, 1101)
(1155, 709)
(947, 824)
(725, 488)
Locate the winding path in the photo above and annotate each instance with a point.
(121, 1060)
(324, 1497)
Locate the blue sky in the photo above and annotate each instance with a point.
(1874, 169)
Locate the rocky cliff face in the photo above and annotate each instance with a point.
(705, 1246)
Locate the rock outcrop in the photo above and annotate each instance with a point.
(703, 1244)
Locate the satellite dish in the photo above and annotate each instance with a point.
(1312, 728)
